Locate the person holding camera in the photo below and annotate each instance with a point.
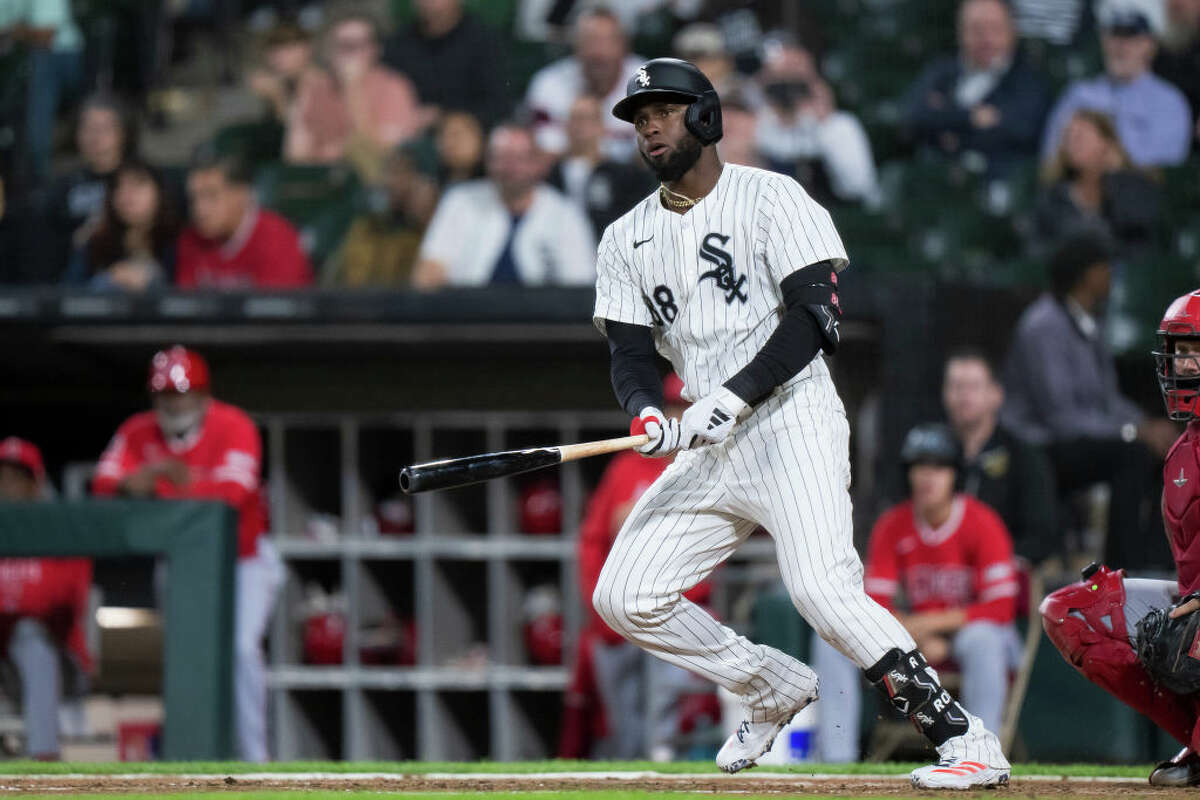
(800, 131)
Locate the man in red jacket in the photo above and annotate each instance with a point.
(193, 446)
(641, 694)
(43, 611)
(952, 556)
(1093, 623)
(232, 243)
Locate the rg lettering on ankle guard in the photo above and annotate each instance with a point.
(907, 680)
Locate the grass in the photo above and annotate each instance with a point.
(417, 767)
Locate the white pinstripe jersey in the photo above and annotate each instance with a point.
(707, 281)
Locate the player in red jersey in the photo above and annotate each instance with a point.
(634, 687)
(1093, 623)
(193, 446)
(43, 611)
(952, 558)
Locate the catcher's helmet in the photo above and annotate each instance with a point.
(1181, 393)
(673, 80)
(178, 370)
(931, 443)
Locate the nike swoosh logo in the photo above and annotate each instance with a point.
(638, 244)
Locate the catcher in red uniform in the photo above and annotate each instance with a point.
(43, 612)
(1140, 639)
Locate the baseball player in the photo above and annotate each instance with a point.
(953, 558)
(43, 612)
(1095, 624)
(191, 445)
(641, 695)
(730, 272)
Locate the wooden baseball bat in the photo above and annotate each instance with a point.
(454, 472)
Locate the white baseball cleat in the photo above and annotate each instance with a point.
(954, 773)
(751, 739)
(970, 761)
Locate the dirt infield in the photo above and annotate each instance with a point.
(832, 786)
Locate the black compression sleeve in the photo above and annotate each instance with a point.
(635, 378)
(793, 344)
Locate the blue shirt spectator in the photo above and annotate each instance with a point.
(1152, 116)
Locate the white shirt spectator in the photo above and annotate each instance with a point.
(553, 245)
(552, 91)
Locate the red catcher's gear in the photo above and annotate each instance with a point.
(1180, 393)
(1075, 620)
(223, 459)
(178, 370)
(1180, 506)
(23, 454)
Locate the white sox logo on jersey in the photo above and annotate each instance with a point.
(726, 279)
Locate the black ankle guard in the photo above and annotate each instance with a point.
(911, 686)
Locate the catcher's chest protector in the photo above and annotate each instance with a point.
(1181, 511)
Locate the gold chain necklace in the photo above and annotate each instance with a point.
(675, 199)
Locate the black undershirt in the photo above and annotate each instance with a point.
(793, 344)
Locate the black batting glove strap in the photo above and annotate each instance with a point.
(914, 690)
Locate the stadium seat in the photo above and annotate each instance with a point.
(321, 201)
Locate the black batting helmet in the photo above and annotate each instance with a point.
(931, 443)
(673, 80)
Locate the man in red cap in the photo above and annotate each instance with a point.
(43, 608)
(640, 694)
(191, 445)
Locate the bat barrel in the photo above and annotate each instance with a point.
(475, 469)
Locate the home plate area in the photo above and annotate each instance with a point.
(765, 783)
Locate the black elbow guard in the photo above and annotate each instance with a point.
(814, 288)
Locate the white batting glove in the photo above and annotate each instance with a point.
(663, 432)
(710, 419)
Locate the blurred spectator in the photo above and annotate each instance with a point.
(54, 52)
(192, 446)
(603, 189)
(44, 607)
(460, 144)
(287, 56)
(105, 135)
(517, 230)
(1056, 22)
(1061, 393)
(739, 142)
(133, 247)
(600, 66)
(1011, 477)
(950, 557)
(232, 243)
(360, 109)
(1151, 115)
(640, 694)
(456, 62)
(703, 44)
(802, 133)
(985, 99)
(1178, 59)
(381, 246)
(1091, 182)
